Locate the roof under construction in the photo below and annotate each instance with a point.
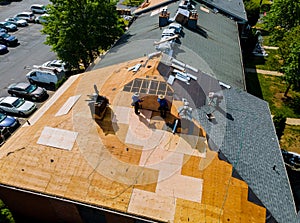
(222, 164)
(132, 164)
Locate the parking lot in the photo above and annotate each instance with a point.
(30, 51)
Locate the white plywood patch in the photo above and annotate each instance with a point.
(180, 186)
(58, 138)
(121, 114)
(68, 105)
(152, 205)
(168, 163)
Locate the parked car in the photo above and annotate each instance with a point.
(57, 64)
(17, 21)
(8, 39)
(16, 105)
(4, 134)
(45, 75)
(3, 30)
(8, 122)
(27, 91)
(8, 26)
(28, 16)
(3, 49)
(42, 18)
(38, 8)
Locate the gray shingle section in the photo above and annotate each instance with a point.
(234, 8)
(244, 132)
(214, 49)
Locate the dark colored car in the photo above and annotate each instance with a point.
(8, 122)
(7, 125)
(3, 30)
(3, 49)
(8, 40)
(8, 26)
(27, 91)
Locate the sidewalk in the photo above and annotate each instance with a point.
(268, 72)
(271, 47)
(292, 121)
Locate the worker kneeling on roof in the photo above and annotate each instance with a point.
(163, 105)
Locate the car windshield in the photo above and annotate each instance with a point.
(17, 103)
(30, 88)
(2, 117)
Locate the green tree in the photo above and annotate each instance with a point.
(291, 67)
(5, 215)
(78, 30)
(283, 16)
(283, 22)
(252, 8)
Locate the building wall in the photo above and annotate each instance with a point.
(27, 207)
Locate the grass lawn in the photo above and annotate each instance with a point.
(271, 62)
(291, 139)
(271, 89)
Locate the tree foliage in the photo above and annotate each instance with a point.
(283, 22)
(78, 29)
(252, 8)
(283, 16)
(5, 214)
(291, 67)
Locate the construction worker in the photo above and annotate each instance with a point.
(163, 105)
(136, 102)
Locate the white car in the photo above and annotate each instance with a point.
(17, 21)
(42, 18)
(41, 75)
(57, 64)
(28, 16)
(16, 105)
(38, 8)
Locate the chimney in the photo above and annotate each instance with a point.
(164, 18)
(192, 23)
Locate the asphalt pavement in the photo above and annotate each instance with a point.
(31, 51)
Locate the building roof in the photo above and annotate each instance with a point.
(215, 44)
(134, 164)
(236, 9)
(127, 163)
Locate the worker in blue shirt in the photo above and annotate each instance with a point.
(136, 102)
(163, 105)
